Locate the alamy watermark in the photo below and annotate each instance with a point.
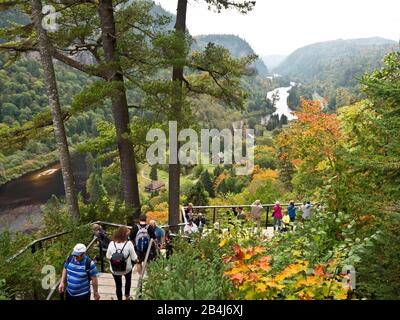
(49, 21)
(193, 152)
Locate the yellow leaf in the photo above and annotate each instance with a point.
(247, 256)
(222, 243)
(296, 253)
(341, 295)
(261, 287)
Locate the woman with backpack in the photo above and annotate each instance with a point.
(122, 257)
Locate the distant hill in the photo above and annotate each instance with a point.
(336, 62)
(273, 61)
(6, 17)
(236, 45)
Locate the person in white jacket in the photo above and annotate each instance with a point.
(256, 211)
(121, 244)
(190, 228)
(307, 211)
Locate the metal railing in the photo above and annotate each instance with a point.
(266, 206)
(39, 242)
(33, 244)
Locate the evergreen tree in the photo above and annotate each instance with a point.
(284, 120)
(217, 171)
(153, 173)
(222, 187)
(95, 186)
(198, 195)
(55, 107)
(215, 62)
(207, 182)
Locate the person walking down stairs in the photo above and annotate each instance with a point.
(141, 234)
(79, 270)
(122, 256)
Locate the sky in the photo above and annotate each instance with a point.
(282, 26)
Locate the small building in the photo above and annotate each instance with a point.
(154, 186)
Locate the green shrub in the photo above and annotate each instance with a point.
(378, 271)
(193, 272)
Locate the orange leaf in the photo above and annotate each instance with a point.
(319, 270)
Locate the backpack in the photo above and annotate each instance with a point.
(142, 239)
(87, 265)
(104, 240)
(118, 260)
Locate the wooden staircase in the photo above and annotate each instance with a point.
(107, 286)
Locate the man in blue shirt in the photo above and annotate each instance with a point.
(160, 234)
(79, 270)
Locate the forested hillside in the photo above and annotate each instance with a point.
(23, 97)
(336, 62)
(12, 15)
(331, 68)
(23, 100)
(236, 45)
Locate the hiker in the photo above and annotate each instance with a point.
(79, 270)
(122, 256)
(256, 211)
(101, 235)
(307, 211)
(292, 211)
(189, 212)
(141, 234)
(159, 232)
(277, 215)
(241, 215)
(190, 228)
(200, 221)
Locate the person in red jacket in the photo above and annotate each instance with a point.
(277, 215)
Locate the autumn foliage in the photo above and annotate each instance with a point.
(161, 217)
(251, 272)
(312, 137)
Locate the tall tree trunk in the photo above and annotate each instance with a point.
(177, 78)
(54, 102)
(120, 112)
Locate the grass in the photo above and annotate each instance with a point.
(144, 177)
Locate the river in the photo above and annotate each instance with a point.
(21, 199)
(279, 98)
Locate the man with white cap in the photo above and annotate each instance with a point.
(79, 270)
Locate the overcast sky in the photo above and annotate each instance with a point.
(281, 26)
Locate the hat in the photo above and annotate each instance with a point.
(79, 249)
